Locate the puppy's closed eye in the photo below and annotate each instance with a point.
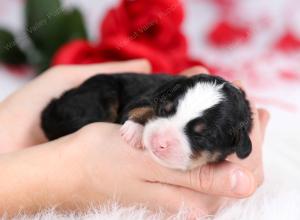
(199, 127)
(166, 108)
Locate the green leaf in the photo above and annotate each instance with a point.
(10, 53)
(38, 60)
(75, 25)
(43, 65)
(45, 25)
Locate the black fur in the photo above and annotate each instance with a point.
(91, 101)
(224, 128)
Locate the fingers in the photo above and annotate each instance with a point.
(79, 73)
(63, 78)
(254, 162)
(138, 66)
(260, 121)
(224, 179)
(194, 71)
(67, 77)
(264, 117)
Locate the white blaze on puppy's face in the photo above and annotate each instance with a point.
(165, 136)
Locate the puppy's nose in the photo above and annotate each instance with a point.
(163, 144)
(157, 143)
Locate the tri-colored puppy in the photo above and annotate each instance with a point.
(183, 122)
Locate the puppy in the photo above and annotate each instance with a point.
(183, 122)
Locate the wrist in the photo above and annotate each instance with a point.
(40, 177)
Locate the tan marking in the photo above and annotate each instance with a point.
(215, 157)
(200, 159)
(141, 114)
(113, 112)
(203, 158)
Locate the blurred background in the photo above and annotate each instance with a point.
(255, 41)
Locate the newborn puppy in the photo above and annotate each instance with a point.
(183, 122)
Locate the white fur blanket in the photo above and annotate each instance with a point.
(277, 199)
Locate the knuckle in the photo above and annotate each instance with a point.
(260, 179)
(206, 178)
(202, 179)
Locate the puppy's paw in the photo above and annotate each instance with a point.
(132, 133)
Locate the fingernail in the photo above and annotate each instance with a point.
(241, 183)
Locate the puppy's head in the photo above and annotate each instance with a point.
(198, 120)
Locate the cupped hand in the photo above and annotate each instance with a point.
(132, 177)
(114, 170)
(110, 169)
(20, 112)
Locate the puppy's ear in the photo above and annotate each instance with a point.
(242, 144)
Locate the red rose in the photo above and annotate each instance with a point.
(137, 29)
(153, 24)
(136, 50)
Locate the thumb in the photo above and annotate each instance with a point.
(264, 117)
(224, 179)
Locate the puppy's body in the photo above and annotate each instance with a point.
(102, 98)
(184, 122)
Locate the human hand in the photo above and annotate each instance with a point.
(138, 179)
(20, 112)
(94, 166)
(212, 182)
(201, 189)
